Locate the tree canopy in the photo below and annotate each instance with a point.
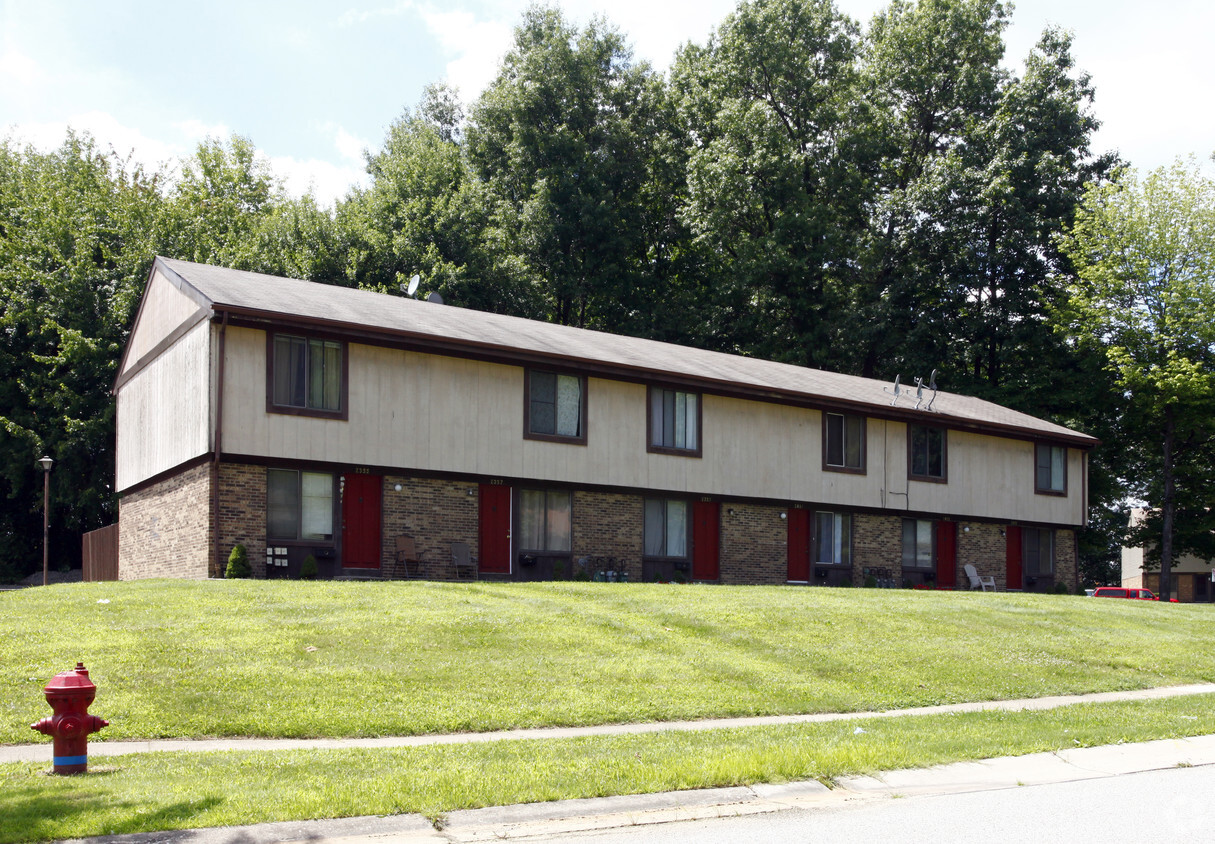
(877, 199)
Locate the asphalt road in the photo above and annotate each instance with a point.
(1174, 805)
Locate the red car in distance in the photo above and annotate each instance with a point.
(1126, 592)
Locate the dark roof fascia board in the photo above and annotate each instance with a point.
(204, 305)
(493, 353)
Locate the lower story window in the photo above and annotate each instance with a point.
(1038, 551)
(544, 520)
(299, 505)
(832, 539)
(666, 527)
(919, 544)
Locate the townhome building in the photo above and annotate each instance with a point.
(383, 436)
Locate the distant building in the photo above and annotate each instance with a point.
(305, 419)
(1191, 576)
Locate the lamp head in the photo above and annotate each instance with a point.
(45, 463)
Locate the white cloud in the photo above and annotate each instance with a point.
(18, 69)
(476, 44)
(328, 182)
(354, 17)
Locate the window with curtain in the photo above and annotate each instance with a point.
(844, 447)
(926, 447)
(299, 505)
(674, 421)
(666, 527)
(544, 520)
(555, 405)
(1051, 468)
(1038, 551)
(307, 373)
(832, 539)
(919, 544)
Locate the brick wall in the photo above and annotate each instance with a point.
(608, 525)
(754, 544)
(435, 513)
(983, 546)
(242, 515)
(1066, 570)
(164, 530)
(877, 542)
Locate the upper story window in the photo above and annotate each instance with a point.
(555, 407)
(299, 505)
(919, 544)
(1050, 469)
(307, 375)
(843, 442)
(674, 422)
(666, 527)
(1038, 551)
(926, 453)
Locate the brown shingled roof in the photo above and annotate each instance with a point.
(271, 297)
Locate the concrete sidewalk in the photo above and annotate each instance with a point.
(565, 818)
(41, 752)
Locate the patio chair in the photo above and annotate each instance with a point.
(976, 580)
(407, 555)
(463, 562)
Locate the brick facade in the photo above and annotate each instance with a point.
(754, 544)
(607, 525)
(435, 513)
(242, 516)
(164, 530)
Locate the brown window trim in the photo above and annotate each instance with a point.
(649, 424)
(931, 479)
(688, 532)
(289, 410)
(814, 538)
(848, 470)
(1055, 492)
(528, 434)
(933, 565)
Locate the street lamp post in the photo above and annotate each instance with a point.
(45, 463)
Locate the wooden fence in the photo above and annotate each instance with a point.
(99, 549)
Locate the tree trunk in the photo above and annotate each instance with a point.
(1168, 507)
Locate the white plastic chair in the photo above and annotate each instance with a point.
(976, 580)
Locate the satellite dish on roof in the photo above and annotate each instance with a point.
(435, 297)
(413, 284)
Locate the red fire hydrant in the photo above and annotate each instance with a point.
(69, 693)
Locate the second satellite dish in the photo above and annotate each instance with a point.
(436, 298)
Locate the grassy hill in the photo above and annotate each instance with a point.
(256, 658)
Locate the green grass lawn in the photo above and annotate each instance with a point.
(257, 658)
(159, 791)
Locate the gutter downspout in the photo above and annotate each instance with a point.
(219, 441)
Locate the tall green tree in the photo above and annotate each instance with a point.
(1144, 298)
(561, 140)
(427, 213)
(777, 186)
(77, 229)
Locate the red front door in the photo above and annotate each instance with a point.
(799, 546)
(1012, 557)
(495, 530)
(706, 539)
(361, 521)
(947, 554)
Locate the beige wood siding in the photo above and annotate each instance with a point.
(164, 410)
(163, 309)
(430, 412)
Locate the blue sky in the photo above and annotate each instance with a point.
(313, 84)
